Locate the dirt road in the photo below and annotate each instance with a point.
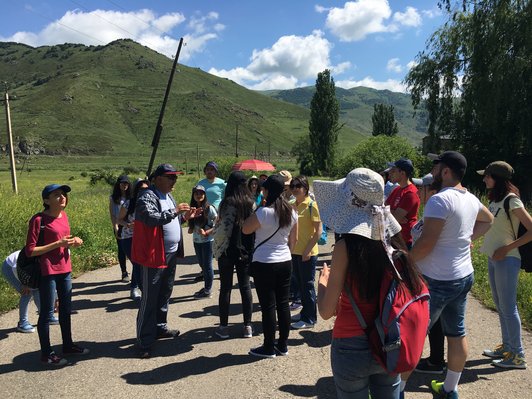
(197, 364)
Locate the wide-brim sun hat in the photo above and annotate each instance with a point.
(355, 205)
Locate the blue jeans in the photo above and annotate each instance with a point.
(448, 301)
(9, 274)
(204, 255)
(62, 283)
(503, 281)
(356, 371)
(136, 273)
(305, 274)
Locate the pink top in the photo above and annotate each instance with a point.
(56, 261)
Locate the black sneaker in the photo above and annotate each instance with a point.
(53, 360)
(162, 334)
(202, 294)
(426, 367)
(76, 350)
(125, 277)
(262, 352)
(144, 353)
(281, 350)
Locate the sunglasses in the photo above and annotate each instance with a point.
(296, 185)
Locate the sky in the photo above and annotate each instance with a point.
(262, 45)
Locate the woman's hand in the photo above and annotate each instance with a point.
(25, 290)
(305, 257)
(69, 241)
(500, 253)
(324, 275)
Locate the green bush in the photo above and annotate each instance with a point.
(375, 152)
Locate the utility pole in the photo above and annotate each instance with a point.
(10, 143)
(197, 159)
(236, 141)
(159, 127)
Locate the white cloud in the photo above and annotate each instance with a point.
(287, 63)
(393, 65)
(433, 13)
(411, 64)
(410, 17)
(357, 19)
(368, 81)
(144, 26)
(320, 9)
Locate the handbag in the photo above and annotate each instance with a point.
(29, 267)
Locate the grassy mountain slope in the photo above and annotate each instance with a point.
(356, 108)
(105, 100)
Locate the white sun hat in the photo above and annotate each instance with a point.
(355, 205)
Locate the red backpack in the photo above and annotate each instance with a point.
(397, 335)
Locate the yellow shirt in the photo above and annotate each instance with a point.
(305, 228)
(500, 232)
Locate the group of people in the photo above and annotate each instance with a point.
(269, 228)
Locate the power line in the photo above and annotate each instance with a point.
(143, 21)
(112, 23)
(62, 24)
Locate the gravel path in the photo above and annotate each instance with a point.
(197, 364)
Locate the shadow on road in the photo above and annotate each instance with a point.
(323, 389)
(197, 366)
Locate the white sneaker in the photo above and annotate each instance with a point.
(301, 324)
(136, 294)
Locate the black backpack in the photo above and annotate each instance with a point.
(525, 251)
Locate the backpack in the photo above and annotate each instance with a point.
(323, 238)
(29, 267)
(397, 335)
(525, 251)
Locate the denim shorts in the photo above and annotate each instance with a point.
(448, 301)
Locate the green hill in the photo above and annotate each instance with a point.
(356, 108)
(105, 100)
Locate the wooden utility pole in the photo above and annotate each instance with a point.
(10, 143)
(236, 141)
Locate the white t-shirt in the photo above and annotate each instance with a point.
(276, 248)
(450, 258)
(11, 261)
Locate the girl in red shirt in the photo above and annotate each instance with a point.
(56, 270)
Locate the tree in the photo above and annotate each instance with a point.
(375, 152)
(383, 120)
(323, 125)
(475, 79)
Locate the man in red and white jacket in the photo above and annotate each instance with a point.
(157, 244)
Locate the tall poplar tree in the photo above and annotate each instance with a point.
(323, 125)
(383, 120)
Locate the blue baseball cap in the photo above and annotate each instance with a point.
(403, 164)
(52, 187)
(164, 169)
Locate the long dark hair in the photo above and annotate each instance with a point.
(501, 189)
(117, 193)
(204, 218)
(133, 200)
(283, 210)
(237, 194)
(367, 261)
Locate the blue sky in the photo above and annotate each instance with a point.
(275, 44)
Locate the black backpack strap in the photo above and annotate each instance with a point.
(506, 206)
(267, 239)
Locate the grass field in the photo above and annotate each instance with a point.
(89, 218)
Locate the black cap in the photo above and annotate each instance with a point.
(164, 169)
(275, 185)
(452, 159)
(123, 179)
(404, 164)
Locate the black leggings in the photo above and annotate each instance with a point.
(121, 257)
(226, 266)
(272, 282)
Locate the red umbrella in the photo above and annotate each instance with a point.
(253, 164)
